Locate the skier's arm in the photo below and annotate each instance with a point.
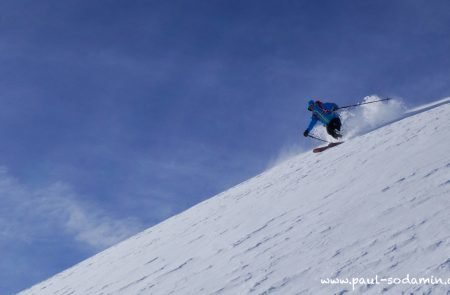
(311, 124)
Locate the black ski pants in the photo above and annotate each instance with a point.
(334, 128)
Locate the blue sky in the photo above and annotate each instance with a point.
(115, 115)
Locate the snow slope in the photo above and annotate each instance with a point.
(377, 205)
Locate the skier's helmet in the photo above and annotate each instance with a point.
(310, 105)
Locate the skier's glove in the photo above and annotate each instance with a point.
(306, 133)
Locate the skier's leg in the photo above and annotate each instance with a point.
(330, 130)
(337, 128)
(334, 128)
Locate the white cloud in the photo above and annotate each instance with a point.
(29, 214)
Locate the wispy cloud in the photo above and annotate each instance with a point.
(30, 214)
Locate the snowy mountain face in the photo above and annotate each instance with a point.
(374, 208)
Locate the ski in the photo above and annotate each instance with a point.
(324, 148)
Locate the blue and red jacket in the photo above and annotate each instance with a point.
(323, 112)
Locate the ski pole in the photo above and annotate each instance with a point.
(359, 104)
(318, 138)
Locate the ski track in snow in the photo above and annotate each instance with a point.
(376, 205)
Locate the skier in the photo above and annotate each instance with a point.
(325, 113)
